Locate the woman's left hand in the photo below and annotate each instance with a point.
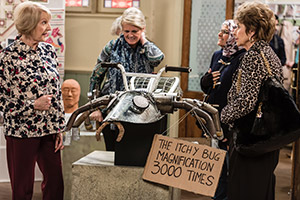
(143, 38)
(58, 142)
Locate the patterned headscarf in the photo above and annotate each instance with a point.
(230, 47)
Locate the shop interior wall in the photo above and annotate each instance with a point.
(87, 34)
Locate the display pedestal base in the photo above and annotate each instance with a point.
(96, 177)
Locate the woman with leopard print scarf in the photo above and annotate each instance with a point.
(251, 177)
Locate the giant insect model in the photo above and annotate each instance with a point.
(146, 99)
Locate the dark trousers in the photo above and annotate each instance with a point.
(221, 192)
(252, 178)
(22, 154)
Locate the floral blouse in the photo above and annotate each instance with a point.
(142, 59)
(242, 101)
(26, 75)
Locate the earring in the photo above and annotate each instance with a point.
(251, 39)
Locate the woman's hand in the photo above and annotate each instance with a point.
(216, 77)
(58, 142)
(96, 116)
(210, 79)
(43, 103)
(143, 38)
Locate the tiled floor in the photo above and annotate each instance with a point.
(283, 177)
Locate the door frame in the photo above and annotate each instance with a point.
(183, 131)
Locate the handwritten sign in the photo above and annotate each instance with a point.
(185, 165)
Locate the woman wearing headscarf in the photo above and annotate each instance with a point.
(217, 82)
(251, 177)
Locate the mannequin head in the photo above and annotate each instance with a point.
(70, 94)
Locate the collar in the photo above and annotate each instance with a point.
(257, 46)
(21, 46)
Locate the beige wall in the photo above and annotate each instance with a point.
(86, 35)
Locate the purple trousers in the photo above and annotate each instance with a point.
(22, 155)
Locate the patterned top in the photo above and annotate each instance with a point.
(253, 72)
(142, 59)
(25, 75)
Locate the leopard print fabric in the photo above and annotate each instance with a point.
(253, 71)
(26, 75)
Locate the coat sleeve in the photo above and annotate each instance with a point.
(3, 89)
(206, 81)
(153, 54)
(59, 100)
(242, 102)
(281, 52)
(99, 72)
(14, 104)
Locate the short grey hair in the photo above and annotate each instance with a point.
(27, 16)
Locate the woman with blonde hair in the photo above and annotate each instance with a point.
(30, 98)
(251, 177)
(134, 52)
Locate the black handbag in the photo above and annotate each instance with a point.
(274, 123)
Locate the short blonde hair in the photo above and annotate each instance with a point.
(134, 17)
(27, 16)
(257, 17)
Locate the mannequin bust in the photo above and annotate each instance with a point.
(70, 94)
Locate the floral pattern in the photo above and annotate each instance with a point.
(26, 75)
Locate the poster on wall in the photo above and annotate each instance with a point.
(7, 29)
(56, 37)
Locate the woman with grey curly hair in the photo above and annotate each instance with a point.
(251, 177)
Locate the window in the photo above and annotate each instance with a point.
(101, 6)
(121, 3)
(77, 3)
(87, 6)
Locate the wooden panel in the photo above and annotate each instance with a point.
(229, 9)
(185, 61)
(187, 128)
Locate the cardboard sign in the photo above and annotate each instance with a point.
(185, 165)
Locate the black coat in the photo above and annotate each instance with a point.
(218, 95)
(277, 45)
